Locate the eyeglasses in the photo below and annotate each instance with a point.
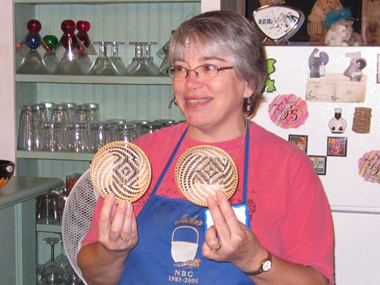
(203, 72)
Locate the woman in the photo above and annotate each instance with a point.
(218, 66)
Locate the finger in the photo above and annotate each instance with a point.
(105, 213)
(229, 215)
(218, 218)
(118, 221)
(211, 237)
(129, 221)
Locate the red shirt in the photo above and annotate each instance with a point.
(288, 207)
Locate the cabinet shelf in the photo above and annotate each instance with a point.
(83, 79)
(55, 155)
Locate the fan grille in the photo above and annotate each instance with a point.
(77, 216)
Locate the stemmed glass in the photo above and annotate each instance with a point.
(83, 27)
(103, 65)
(115, 57)
(68, 51)
(52, 272)
(50, 58)
(32, 62)
(137, 65)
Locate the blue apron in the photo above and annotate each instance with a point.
(171, 235)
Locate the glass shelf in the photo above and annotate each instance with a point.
(55, 155)
(69, 79)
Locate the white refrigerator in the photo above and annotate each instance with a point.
(353, 196)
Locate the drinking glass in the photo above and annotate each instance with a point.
(47, 209)
(53, 137)
(78, 137)
(116, 59)
(103, 65)
(82, 114)
(98, 135)
(150, 128)
(68, 51)
(38, 113)
(71, 107)
(60, 114)
(71, 278)
(165, 122)
(83, 27)
(93, 111)
(25, 134)
(50, 58)
(138, 67)
(32, 62)
(163, 53)
(49, 106)
(124, 131)
(149, 60)
(52, 272)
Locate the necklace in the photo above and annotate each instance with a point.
(241, 145)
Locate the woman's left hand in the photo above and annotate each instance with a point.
(229, 240)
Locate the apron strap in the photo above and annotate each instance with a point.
(169, 162)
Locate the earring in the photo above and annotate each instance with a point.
(172, 101)
(248, 105)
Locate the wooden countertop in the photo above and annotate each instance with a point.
(20, 189)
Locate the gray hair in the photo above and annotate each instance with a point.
(229, 34)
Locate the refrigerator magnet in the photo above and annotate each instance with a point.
(369, 166)
(288, 111)
(362, 120)
(336, 146)
(299, 141)
(319, 162)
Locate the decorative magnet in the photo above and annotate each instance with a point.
(337, 124)
(288, 111)
(362, 120)
(369, 166)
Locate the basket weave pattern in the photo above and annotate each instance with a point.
(123, 169)
(202, 170)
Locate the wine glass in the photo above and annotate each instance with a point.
(149, 60)
(52, 272)
(116, 59)
(137, 66)
(103, 65)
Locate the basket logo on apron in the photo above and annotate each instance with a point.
(184, 249)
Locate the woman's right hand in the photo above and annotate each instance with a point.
(117, 228)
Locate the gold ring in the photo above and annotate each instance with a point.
(125, 239)
(218, 247)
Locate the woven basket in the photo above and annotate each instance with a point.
(122, 169)
(204, 169)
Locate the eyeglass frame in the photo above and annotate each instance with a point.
(218, 68)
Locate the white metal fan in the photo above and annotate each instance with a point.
(77, 217)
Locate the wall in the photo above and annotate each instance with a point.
(7, 103)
